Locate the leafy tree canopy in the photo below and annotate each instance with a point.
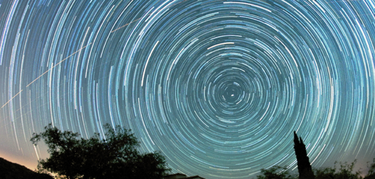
(112, 156)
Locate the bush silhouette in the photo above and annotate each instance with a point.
(275, 172)
(345, 171)
(371, 172)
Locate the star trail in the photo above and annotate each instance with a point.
(218, 86)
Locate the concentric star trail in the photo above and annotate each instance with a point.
(218, 86)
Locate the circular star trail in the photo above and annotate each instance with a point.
(217, 86)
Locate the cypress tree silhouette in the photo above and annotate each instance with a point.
(304, 167)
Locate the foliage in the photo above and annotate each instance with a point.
(275, 172)
(371, 171)
(114, 156)
(325, 173)
(345, 171)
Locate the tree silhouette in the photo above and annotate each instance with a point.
(112, 156)
(304, 167)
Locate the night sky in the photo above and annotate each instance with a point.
(218, 86)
